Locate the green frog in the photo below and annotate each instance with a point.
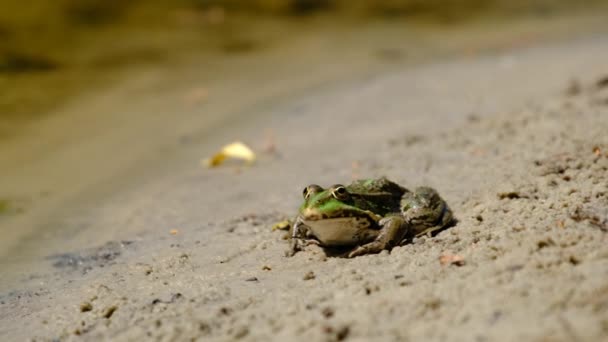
(368, 215)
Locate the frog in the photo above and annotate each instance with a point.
(367, 216)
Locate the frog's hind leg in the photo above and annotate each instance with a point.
(394, 228)
(446, 220)
(428, 232)
(430, 213)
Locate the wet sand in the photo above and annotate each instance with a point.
(522, 163)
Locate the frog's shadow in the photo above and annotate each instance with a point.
(343, 251)
(338, 252)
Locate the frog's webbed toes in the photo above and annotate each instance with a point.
(383, 221)
(291, 252)
(369, 248)
(294, 247)
(298, 245)
(312, 243)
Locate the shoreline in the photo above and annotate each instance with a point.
(48, 197)
(196, 282)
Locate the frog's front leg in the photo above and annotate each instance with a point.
(300, 237)
(393, 230)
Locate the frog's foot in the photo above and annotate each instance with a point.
(369, 248)
(294, 247)
(298, 245)
(392, 231)
(429, 231)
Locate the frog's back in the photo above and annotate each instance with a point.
(376, 186)
(380, 196)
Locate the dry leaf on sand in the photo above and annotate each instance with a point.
(451, 259)
(235, 150)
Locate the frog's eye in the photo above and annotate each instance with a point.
(311, 190)
(339, 191)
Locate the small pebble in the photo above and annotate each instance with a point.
(86, 307)
(309, 276)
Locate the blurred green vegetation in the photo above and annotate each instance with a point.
(3, 206)
(8, 207)
(50, 49)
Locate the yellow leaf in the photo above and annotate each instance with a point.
(236, 150)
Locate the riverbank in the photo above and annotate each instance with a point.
(519, 161)
(82, 153)
(132, 238)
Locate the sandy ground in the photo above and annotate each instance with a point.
(108, 142)
(518, 150)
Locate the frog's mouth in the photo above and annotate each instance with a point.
(310, 215)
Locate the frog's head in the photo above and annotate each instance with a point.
(332, 216)
(322, 204)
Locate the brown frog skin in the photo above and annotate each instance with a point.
(368, 215)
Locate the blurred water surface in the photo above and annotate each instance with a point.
(52, 50)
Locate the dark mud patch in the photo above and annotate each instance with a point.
(18, 62)
(94, 12)
(305, 7)
(87, 260)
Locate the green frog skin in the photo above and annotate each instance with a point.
(370, 215)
